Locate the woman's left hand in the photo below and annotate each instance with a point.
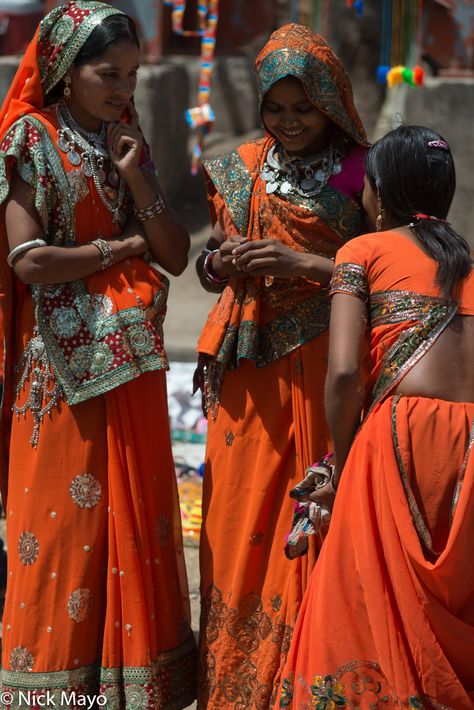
(268, 257)
(125, 144)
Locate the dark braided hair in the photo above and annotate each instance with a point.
(412, 170)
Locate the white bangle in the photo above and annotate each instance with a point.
(26, 246)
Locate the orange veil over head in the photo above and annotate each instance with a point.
(294, 50)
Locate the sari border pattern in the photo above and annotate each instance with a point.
(234, 182)
(168, 682)
(267, 343)
(248, 627)
(350, 279)
(433, 317)
(418, 521)
(460, 480)
(366, 681)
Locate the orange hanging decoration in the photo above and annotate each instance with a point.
(201, 117)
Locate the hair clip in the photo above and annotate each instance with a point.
(438, 144)
(419, 215)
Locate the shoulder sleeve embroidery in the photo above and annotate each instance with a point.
(24, 146)
(350, 278)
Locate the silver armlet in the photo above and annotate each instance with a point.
(21, 248)
(105, 252)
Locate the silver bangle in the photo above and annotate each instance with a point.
(153, 210)
(26, 246)
(105, 252)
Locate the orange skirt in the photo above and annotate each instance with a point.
(388, 617)
(97, 596)
(269, 427)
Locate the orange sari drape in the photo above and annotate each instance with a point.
(97, 596)
(388, 616)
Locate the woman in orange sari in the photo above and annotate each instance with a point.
(388, 616)
(281, 206)
(97, 594)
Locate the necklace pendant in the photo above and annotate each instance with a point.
(63, 144)
(286, 187)
(320, 175)
(271, 187)
(337, 169)
(86, 168)
(267, 175)
(74, 157)
(269, 281)
(308, 184)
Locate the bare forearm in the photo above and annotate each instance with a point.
(315, 268)
(169, 241)
(343, 404)
(50, 265)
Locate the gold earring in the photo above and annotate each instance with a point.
(67, 88)
(380, 216)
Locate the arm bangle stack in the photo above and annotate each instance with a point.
(153, 210)
(21, 248)
(209, 273)
(105, 252)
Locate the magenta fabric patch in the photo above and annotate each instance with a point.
(351, 180)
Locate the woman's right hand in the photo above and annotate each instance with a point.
(222, 262)
(137, 245)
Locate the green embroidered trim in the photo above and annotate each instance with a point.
(234, 182)
(388, 307)
(267, 343)
(342, 214)
(350, 278)
(117, 347)
(168, 682)
(411, 345)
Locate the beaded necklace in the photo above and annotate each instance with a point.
(93, 153)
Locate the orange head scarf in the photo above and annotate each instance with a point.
(50, 55)
(294, 50)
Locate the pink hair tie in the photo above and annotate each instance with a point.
(438, 144)
(420, 215)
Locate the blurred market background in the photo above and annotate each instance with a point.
(410, 61)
